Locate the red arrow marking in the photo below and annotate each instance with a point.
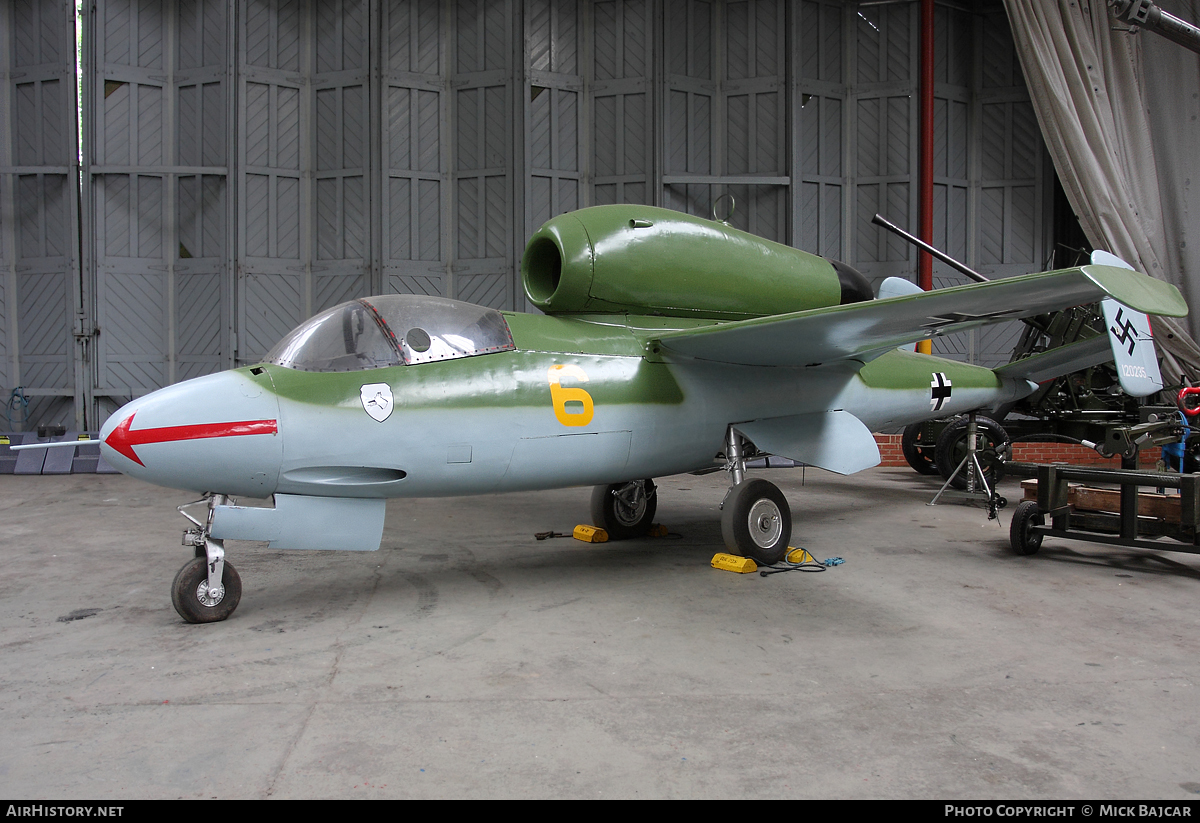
(123, 439)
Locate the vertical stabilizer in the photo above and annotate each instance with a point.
(1131, 338)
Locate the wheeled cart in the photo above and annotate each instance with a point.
(1053, 515)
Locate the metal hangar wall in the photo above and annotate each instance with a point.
(243, 164)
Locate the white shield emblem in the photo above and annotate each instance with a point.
(377, 400)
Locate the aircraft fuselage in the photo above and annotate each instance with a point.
(580, 401)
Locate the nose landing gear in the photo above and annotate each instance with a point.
(207, 589)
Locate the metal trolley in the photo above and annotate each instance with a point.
(1052, 514)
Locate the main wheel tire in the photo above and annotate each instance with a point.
(1023, 540)
(757, 522)
(918, 447)
(625, 510)
(189, 592)
(952, 448)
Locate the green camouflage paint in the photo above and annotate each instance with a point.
(911, 370)
(649, 260)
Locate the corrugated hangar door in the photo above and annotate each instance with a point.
(40, 284)
(376, 154)
(448, 138)
(725, 112)
(484, 136)
(553, 35)
(991, 177)
(820, 132)
(1014, 180)
(416, 153)
(157, 188)
(623, 34)
(304, 148)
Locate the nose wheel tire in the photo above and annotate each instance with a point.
(757, 522)
(625, 510)
(192, 599)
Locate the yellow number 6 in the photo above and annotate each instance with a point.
(560, 397)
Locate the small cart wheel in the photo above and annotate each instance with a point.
(191, 598)
(1024, 540)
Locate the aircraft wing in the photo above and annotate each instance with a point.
(863, 331)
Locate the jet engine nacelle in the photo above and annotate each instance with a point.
(646, 260)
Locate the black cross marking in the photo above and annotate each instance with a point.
(939, 391)
(1127, 333)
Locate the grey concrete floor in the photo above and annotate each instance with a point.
(466, 659)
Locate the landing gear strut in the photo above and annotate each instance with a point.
(207, 589)
(756, 521)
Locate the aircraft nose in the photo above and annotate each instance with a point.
(217, 433)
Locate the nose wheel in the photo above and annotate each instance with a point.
(197, 601)
(207, 589)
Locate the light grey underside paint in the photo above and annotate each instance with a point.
(835, 440)
(304, 522)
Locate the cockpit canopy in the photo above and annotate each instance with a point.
(391, 330)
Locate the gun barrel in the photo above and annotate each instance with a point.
(921, 244)
(1149, 16)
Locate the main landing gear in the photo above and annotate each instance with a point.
(756, 521)
(207, 589)
(625, 510)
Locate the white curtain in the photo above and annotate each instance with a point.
(1119, 115)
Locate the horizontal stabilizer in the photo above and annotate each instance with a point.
(897, 287)
(1039, 368)
(863, 331)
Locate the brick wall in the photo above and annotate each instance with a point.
(889, 451)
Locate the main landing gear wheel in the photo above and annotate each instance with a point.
(192, 599)
(625, 510)
(918, 449)
(1023, 540)
(756, 521)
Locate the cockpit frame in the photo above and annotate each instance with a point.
(391, 330)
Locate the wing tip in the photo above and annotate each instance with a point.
(1138, 291)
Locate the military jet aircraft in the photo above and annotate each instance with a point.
(666, 342)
